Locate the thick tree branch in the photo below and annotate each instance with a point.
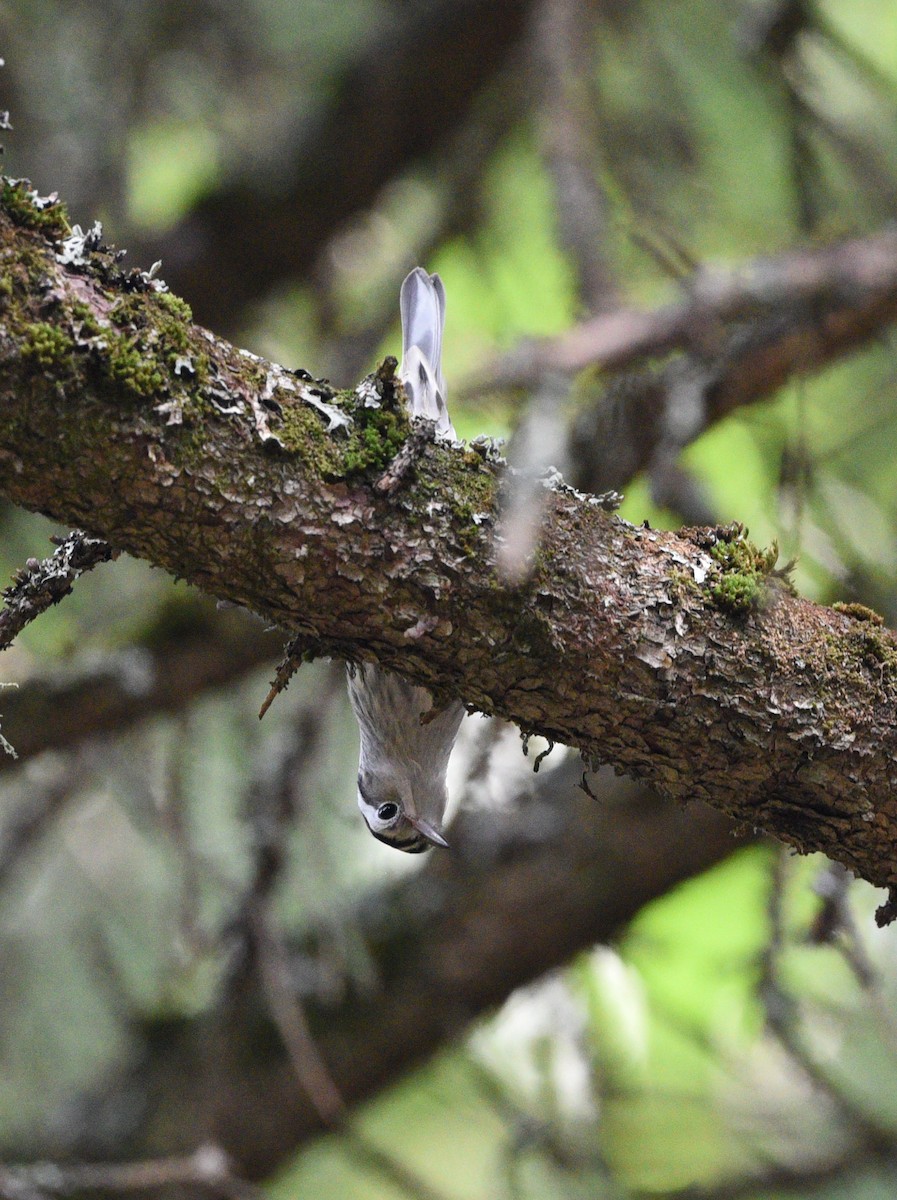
(629, 424)
(681, 659)
(645, 417)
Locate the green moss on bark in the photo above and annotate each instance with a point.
(746, 578)
(858, 612)
(20, 202)
(49, 346)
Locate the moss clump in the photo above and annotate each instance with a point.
(129, 312)
(168, 315)
(302, 433)
(155, 333)
(47, 345)
(682, 585)
(175, 306)
(376, 437)
(83, 315)
(740, 592)
(139, 373)
(859, 612)
(877, 652)
(125, 358)
(865, 648)
(18, 201)
(472, 494)
(746, 578)
(366, 448)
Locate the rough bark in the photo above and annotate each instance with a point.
(680, 658)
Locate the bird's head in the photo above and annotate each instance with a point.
(395, 815)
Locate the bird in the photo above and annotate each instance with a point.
(402, 765)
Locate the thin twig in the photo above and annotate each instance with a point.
(208, 1167)
(309, 1067)
(288, 1015)
(286, 669)
(782, 1022)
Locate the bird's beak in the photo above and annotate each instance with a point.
(430, 832)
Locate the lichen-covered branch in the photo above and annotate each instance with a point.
(39, 585)
(682, 659)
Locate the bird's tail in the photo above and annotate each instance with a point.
(422, 303)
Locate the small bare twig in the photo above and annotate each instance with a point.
(583, 786)
(563, 52)
(309, 1067)
(274, 800)
(540, 758)
(38, 585)
(288, 1015)
(836, 925)
(783, 1024)
(208, 1168)
(422, 433)
(287, 668)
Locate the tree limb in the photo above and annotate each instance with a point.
(628, 424)
(680, 658)
(186, 650)
(644, 417)
(205, 1171)
(835, 276)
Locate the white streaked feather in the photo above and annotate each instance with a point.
(422, 304)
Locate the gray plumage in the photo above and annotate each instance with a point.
(402, 763)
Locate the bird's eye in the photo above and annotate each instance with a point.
(387, 811)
